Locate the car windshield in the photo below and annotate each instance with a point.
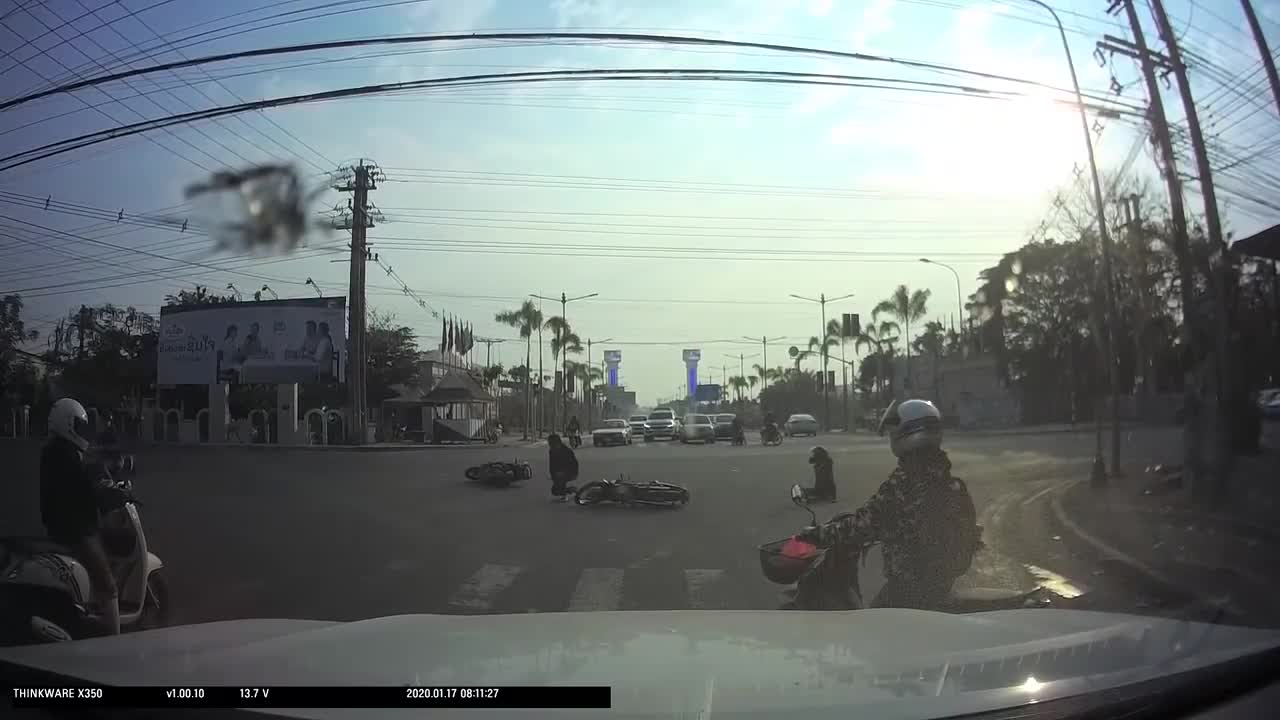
(532, 314)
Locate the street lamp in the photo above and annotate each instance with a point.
(822, 300)
(959, 301)
(742, 362)
(564, 356)
(315, 287)
(764, 349)
(1099, 475)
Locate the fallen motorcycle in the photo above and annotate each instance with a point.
(500, 474)
(823, 566)
(625, 492)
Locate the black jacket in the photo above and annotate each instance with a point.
(68, 503)
(563, 461)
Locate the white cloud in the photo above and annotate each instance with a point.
(820, 8)
(450, 15)
(845, 133)
(876, 20)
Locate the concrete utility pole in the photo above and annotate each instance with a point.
(1178, 217)
(1218, 285)
(1268, 63)
(764, 360)
(363, 178)
(564, 355)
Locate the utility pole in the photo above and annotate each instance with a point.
(587, 381)
(764, 350)
(363, 178)
(539, 398)
(564, 355)
(1268, 63)
(1219, 285)
(1178, 217)
(822, 340)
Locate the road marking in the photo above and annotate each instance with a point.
(480, 590)
(597, 589)
(1053, 581)
(1039, 494)
(701, 586)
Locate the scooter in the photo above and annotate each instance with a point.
(624, 492)
(823, 567)
(575, 439)
(739, 437)
(770, 435)
(46, 593)
(500, 474)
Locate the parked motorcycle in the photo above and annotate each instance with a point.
(500, 474)
(823, 566)
(45, 592)
(770, 435)
(625, 492)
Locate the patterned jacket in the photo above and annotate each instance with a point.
(924, 520)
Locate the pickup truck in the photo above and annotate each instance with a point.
(662, 423)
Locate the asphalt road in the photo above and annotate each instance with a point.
(343, 535)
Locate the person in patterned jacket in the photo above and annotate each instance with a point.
(922, 516)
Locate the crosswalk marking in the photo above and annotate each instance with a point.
(480, 590)
(597, 589)
(701, 585)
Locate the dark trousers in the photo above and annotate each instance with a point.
(559, 481)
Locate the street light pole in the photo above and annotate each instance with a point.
(742, 362)
(564, 356)
(1099, 465)
(822, 340)
(764, 361)
(959, 301)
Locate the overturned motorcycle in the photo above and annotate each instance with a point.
(625, 492)
(823, 566)
(500, 474)
(46, 593)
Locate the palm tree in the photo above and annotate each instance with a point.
(880, 335)
(526, 319)
(738, 383)
(906, 307)
(562, 339)
(762, 373)
(752, 380)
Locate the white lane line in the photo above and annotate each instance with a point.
(701, 585)
(1056, 583)
(597, 589)
(480, 590)
(1041, 493)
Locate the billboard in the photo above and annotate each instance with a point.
(274, 341)
(692, 355)
(613, 356)
(707, 393)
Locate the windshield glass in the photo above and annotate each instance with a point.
(421, 308)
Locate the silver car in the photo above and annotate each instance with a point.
(697, 428)
(800, 424)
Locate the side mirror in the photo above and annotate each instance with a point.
(797, 495)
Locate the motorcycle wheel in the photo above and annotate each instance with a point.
(157, 610)
(473, 472)
(590, 494)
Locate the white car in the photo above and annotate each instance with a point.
(612, 432)
(800, 424)
(697, 428)
(637, 424)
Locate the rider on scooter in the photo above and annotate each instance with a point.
(770, 429)
(923, 518)
(69, 503)
(573, 430)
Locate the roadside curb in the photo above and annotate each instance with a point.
(1130, 565)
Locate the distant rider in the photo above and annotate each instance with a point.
(739, 436)
(923, 517)
(69, 504)
(770, 426)
(573, 429)
(824, 478)
(564, 467)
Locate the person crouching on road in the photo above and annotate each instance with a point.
(824, 476)
(564, 467)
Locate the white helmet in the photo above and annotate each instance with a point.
(912, 425)
(68, 420)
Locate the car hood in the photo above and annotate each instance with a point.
(609, 430)
(892, 663)
(660, 422)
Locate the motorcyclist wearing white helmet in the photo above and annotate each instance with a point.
(923, 518)
(69, 505)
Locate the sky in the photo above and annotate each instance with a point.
(695, 209)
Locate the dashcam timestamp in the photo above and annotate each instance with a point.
(313, 697)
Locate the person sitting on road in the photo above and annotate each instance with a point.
(824, 480)
(69, 503)
(922, 516)
(564, 467)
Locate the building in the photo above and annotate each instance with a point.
(448, 403)
(968, 389)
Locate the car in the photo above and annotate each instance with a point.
(661, 423)
(724, 425)
(612, 432)
(637, 424)
(800, 424)
(697, 428)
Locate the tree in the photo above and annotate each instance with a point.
(906, 307)
(13, 332)
(739, 385)
(526, 319)
(878, 336)
(392, 356)
(199, 296)
(564, 341)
